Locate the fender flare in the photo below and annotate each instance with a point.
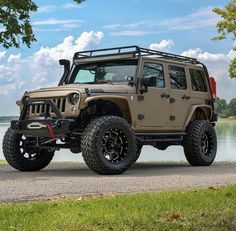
(205, 108)
(121, 101)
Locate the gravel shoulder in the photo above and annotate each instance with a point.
(75, 179)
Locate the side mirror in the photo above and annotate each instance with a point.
(149, 81)
(66, 64)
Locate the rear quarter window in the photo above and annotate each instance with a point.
(198, 80)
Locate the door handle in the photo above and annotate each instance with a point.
(164, 95)
(185, 97)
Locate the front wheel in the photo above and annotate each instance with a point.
(200, 143)
(139, 150)
(108, 145)
(22, 154)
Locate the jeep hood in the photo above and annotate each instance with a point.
(69, 88)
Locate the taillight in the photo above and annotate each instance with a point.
(213, 86)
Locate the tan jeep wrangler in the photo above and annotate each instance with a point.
(109, 104)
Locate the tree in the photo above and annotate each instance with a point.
(227, 27)
(15, 22)
(220, 105)
(232, 107)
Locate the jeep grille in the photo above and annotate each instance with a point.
(37, 110)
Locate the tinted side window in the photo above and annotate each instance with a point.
(198, 80)
(177, 78)
(156, 70)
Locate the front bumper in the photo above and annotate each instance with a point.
(40, 127)
(45, 126)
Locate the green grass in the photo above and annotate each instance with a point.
(2, 162)
(202, 209)
(226, 120)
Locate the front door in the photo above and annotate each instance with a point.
(153, 105)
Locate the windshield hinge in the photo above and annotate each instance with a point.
(87, 91)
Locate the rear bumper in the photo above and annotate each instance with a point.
(40, 128)
(214, 117)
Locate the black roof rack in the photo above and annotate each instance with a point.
(135, 51)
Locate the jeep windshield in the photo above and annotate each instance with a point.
(103, 72)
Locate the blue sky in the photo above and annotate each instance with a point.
(63, 27)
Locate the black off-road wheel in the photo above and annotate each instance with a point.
(139, 150)
(21, 154)
(200, 143)
(108, 145)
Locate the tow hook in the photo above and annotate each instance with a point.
(51, 132)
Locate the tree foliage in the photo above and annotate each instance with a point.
(220, 105)
(232, 107)
(224, 109)
(15, 22)
(227, 26)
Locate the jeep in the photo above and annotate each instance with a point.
(111, 102)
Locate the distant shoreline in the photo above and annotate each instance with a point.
(7, 119)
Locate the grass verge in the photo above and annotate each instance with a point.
(227, 120)
(202, 209)
(2, 162)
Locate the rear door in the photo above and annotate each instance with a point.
(179, 96)
(199, 85)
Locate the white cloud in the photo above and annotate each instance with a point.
(132, 29)
(40, 77)
(129, 33)
(217, 64)
(48, 56)
(209, 57)
(10, 78)
(2, 54)
(7, 88)
(164, 45)
(130, 26)
(72, 6)
(14, 58)
(53, 29)
(203, 18)
(47, 9)
(112, 26)
(65, 23)
(41, 69)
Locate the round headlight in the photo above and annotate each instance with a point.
(74, 98)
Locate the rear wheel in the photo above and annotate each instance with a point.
(200, 143)
(22, 154)
(108, 145)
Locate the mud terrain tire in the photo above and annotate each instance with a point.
(108, 145)
(200, 143)
(12, 150)
(139, 150)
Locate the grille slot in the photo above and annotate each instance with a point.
(63, 106)
(37, 110)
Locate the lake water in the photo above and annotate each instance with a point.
(226, 133)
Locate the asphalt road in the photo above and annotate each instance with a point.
(75, 179)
